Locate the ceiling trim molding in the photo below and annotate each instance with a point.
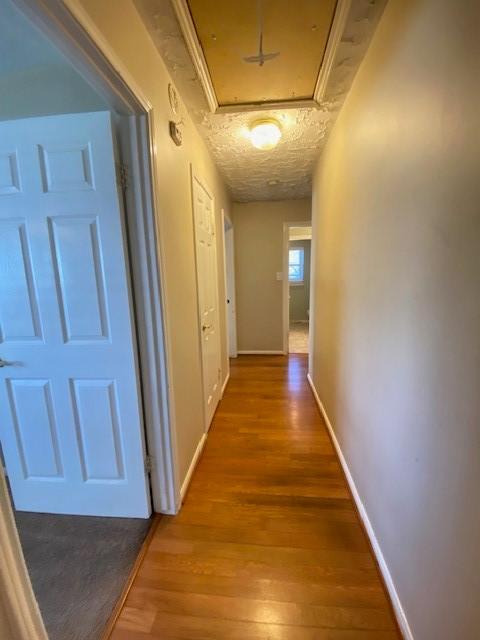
(264, 106)
(194, 47)
(336, 31)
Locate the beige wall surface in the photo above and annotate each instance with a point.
(125, 33)
(299, 302)
(396, 349)
(258, 257)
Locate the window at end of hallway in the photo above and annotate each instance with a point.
(295, 265)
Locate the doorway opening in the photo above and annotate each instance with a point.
(81, 396)
(229, 262)
(297, 252)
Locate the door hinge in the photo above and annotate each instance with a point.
(149, 464)
(122, 176)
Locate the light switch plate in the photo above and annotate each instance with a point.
(279, 275)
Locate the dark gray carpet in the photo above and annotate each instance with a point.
(78, 566)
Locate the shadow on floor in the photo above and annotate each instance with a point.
(78, 566)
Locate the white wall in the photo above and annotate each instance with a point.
(258, 257)
(126, 34)
(396, 349)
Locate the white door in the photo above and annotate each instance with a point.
(70, 408)
(230, 286)
(206, 261)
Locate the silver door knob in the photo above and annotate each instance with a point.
(4, 363)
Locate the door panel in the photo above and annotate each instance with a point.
(206, 261)
(76, 255)
(96, 416)
(9, 181)
(35, 428)
(70, 406)
(19, 319)
(66, 167)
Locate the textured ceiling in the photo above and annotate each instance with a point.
(283, 172)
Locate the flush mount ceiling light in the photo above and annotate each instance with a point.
(265, 134)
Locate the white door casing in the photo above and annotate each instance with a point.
(230, 290)
(207, 284)
(70, 402)
(286, 282)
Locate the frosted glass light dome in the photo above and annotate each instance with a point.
(265, 134)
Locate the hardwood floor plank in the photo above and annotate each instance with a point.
(269, 555)
(186, 627)
(268, 544)
(267, 589)
(264, 611)
(348, 537)
(215, 566)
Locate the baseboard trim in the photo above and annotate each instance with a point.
(191, 468)
(387, 578)
(224, 385)
(260, 353)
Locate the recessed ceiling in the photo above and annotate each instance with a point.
(294, 32)
(285, 171)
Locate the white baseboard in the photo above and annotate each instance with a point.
(224, 385)
(191, 468)
(261, 353)
(392, 591)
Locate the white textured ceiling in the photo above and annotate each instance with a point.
(285, 171)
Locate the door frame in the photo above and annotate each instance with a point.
(69, 27)
(20, 616)
(285, 281)
(194, 175)
(229, 271)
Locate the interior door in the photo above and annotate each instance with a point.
(207, 282)
(231, 298)
(70, 406)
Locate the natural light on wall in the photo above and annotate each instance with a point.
(265, 134)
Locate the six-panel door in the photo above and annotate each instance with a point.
(70, 406)
(206, 262)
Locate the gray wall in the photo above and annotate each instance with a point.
(300, 293)
(396, 348)
(45, 91)
(35, 78)
(258, 257)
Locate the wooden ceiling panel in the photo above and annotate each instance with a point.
(228, 31)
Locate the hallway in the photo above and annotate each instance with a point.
(298, 337)
(268, 544)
